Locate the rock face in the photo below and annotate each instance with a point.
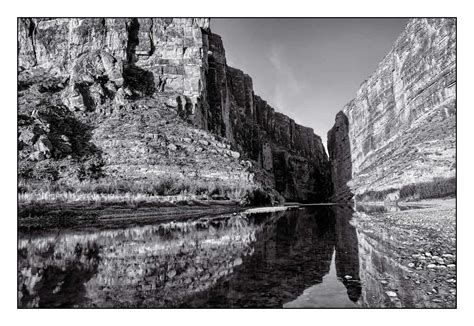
(140, 98)
(400, 128)
(117, 90)
(291, 154)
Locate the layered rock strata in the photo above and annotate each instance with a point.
(140, 98)
(400, 129)
(113, 96)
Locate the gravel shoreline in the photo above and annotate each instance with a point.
(423, 243)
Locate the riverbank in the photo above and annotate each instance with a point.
(432, 203)
(422, 242)
(40, 217)
(56, 206)
(449, 202)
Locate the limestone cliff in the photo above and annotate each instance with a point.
(143, 98)
(400, 129)
(115, 98)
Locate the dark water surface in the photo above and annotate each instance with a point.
(306, 257)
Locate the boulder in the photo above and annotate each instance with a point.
(172, 147)
(28, 136)
(43, 146)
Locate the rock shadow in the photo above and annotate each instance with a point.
(53, 132)
(347, 252)
(140, 81)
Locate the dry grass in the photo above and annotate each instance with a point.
(71, 197)
(165, 190)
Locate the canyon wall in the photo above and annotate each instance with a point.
(400, 129)
(141, 99)
(112, 58)
(292, 154)
(115, 99)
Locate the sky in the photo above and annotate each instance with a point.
(307, 69)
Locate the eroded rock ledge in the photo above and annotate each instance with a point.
(400, 129)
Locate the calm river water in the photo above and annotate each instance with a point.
(305, 257)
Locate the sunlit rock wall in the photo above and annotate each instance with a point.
(400, 128)
(125, 98)
(107, 58)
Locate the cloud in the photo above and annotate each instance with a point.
(287, 87)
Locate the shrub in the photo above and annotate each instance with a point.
(372, 195)
(91, 169)
(256, 197)
(439, 187)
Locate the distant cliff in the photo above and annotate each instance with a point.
(400, 129)
(148, 98)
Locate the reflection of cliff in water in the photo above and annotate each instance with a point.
(150, 266)
(290, 256)
(264, 260)
(347, 252)
(57, 283)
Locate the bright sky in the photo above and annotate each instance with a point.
(307, 69)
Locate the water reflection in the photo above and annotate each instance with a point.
(262, 260)
(331, 293)
(155, 265)
(347, 252)
(292, 255)
(43, 283)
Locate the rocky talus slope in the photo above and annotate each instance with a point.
(147, 98)
(400, 129)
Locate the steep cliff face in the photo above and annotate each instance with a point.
(116, 98)
(109, 58)
(400, 128)
(291, 156)
(140, 99)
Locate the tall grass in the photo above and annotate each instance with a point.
(157, 190)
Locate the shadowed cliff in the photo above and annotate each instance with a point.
(339, 148)
(290, 155)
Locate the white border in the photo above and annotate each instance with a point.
(397, 8)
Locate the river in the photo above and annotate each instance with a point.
(304, 257)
